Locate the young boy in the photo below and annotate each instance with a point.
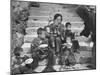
(68, 30)
(72, 35)
(41, 39)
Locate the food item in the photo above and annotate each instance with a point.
(29, 61)
(43, 45)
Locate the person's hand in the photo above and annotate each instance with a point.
(77, 34)
(66, 44)
(23, 64)
(29, 61)
(16, 66)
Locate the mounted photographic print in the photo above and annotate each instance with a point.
(52, 37)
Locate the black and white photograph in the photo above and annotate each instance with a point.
(52, 37)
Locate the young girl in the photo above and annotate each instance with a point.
(67, 52)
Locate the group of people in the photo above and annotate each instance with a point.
(59, 40)
(59, 50)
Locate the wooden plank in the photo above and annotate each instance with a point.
(32, 23)
(47, 18)
(29, 38)
(52, 13)
(37, 24)
(31, 30)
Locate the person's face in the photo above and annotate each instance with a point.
(69, 27)
(58, 20)
(48, 29)
(68, 39)
(42, 35)
(18, 56)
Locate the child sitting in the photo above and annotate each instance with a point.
(67, 52)
(17, 61)
(41, 39)
(21, 64)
